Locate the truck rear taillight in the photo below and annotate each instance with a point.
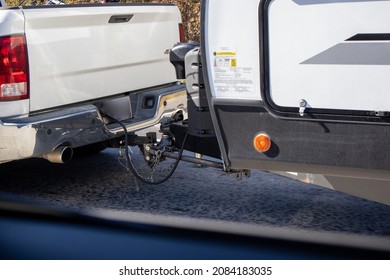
(13, 68)
(181, 32)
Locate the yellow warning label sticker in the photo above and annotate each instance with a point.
(225, 58)
(233, 62)
(225, 53)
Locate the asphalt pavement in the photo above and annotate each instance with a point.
(100, 182)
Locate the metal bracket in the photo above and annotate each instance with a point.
(240, 174)
(381, 113)
(302, 107)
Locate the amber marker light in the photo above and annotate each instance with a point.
(262, 142)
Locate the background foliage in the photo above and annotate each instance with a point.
(190, 10)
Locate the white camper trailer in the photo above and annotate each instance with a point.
(298, 87)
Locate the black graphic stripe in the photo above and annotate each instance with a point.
(357, 53)
(370, 37)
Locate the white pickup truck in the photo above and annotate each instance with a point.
(64, 68)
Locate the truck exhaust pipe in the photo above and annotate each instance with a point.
(62, 154)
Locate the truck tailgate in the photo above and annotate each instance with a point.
(79, 53)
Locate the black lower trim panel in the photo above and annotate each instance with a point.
(307, 146)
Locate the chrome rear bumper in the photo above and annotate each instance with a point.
(41, 134)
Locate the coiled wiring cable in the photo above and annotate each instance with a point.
(133, 169)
